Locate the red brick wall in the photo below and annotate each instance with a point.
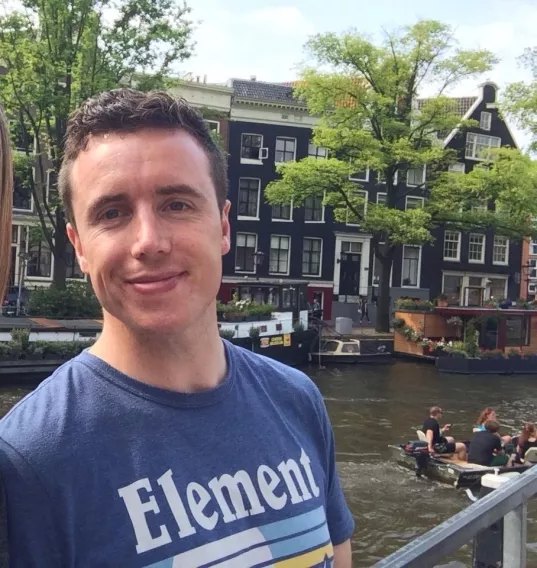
(328, 294)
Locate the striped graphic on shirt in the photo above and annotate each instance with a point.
(298, 542)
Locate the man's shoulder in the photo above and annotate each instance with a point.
(273, 374)
(42, 416)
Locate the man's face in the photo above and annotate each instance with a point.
(149, 231)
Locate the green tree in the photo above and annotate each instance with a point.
(57, 53)
(520, 98)
(366, 98)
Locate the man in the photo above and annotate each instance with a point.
(486, 445)
(164, 445)
(436, 441)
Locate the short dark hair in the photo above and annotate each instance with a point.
(127, 110)
(492, 426)
(435, 411)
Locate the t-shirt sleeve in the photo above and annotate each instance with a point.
(32, 532)
(339, 518)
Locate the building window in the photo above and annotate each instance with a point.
(14, 234)
(452, 245)
(317, 152)
(285, 149)
(452, 287)
(478, 206)
(213, 126)
(282, 212)
(40, 261)
(416, 176)
(360, 176)
(476, 248)
(71, 262)
(500, 251)
(251, 145)
(311, 256)
(279, 254)
(518, 331)
(413, 202)
(381, 198)
(22, 139)
(351, 247)
(533, 248)
(22, 190)
(52, 185)
(244, 252)
(533, 268)
(411, 266)
(458, 168)
(477, 145)
(362, 208)
(313, 209)
(249, 189)
(485, 121)
(497, 288)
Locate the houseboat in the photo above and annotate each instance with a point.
(349, 351)
(487, 339)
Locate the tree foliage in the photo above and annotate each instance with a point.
(370, 117)
(57, 53)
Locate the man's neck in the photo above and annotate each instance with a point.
(191, 361)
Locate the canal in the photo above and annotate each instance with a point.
(371, 407)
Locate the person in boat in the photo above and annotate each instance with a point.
(490, 414)
(486, 446)
(437, 443)
(131, 453)
(526, 440)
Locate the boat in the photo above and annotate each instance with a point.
(446, 469)
(341, 351)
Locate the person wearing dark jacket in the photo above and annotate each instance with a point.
(486, 445)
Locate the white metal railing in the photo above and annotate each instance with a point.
(507, 503)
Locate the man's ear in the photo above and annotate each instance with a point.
(226, 229)
(75, 241)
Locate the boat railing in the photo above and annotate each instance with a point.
(508, 502)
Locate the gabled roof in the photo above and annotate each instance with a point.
(265, 92)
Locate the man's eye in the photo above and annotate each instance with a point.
(111, 214)
(178, 206)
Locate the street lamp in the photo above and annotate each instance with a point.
(24, 258)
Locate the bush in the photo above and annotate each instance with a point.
(76, 301)
(414, 305)
(22, 336)
(514, 353)
(254, 332)
(398, 323)
(226, 333)
(491, 354)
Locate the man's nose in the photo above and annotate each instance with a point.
(152, 236)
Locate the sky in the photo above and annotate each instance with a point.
(241, 38)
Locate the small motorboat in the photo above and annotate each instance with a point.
(348, 351)
(446, 468)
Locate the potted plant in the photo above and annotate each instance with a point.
(442, 301)
(226, 333)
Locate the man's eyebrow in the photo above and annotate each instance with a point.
(105, 200)
(180, 189)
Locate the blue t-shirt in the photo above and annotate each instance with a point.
(103, 470)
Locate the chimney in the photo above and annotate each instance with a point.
(204, 79)
(253, 78)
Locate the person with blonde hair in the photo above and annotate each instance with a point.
(6, 202)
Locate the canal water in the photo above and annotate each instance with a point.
(371, 407)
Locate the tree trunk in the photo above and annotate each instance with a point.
(384, 296)
(60, 246)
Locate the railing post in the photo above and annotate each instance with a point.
(514, 537)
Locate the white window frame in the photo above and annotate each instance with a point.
(247, 217)
(322, 212)
(288, 237)
(485, 121)
(263, 152)
(459, 243)
(49, 171)
(294, 153)
(373, 273)
(473, 155)
(236, 246)
(494, 245)
(366, 195)
(456, 168)
(416, 197)
(418, 276)
(320, 257)
(385, 196)
(484, 241)
(383, 181)
(209, 122)
(533, 269)
(360, 179)
(316, 156)
(424, 177)
(38, 278)
(290, 220)
(533, 248)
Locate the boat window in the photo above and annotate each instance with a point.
(331, 346)
(350, 348)
(518, 331)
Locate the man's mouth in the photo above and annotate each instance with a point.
(156, 283)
